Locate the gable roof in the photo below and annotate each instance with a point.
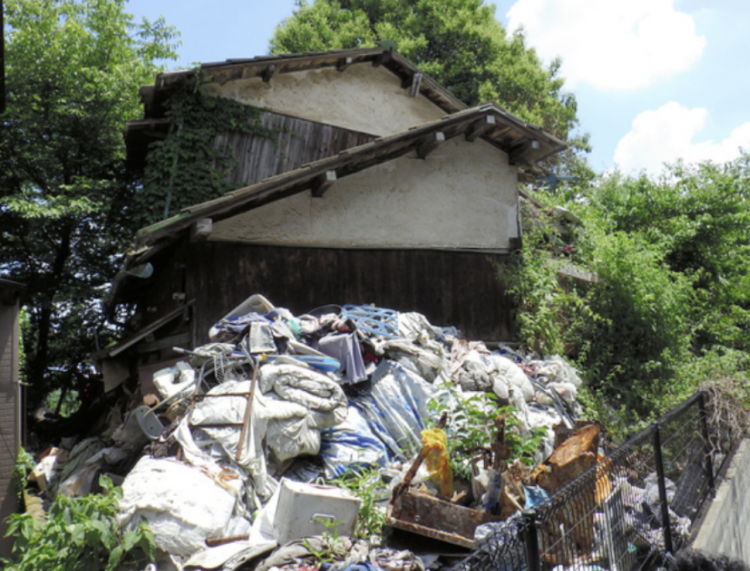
(524, 144)
(265, 67)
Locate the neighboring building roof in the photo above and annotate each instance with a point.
(524, 144)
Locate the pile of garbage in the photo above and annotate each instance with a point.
(287, 441)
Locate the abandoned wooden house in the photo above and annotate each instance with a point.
(381, 188)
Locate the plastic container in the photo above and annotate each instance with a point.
(307, 509)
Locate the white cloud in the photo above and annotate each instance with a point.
(666, 134)
(618, 45)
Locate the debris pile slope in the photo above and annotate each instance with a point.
(311, 431)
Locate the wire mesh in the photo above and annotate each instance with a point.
(610, 517)
(503, 547)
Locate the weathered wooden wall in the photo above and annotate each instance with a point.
(297, 142)
(450, 288)
(10, 409)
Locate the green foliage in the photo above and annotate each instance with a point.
(80, 534)
(364, 484)
(331, 546)
(638, 330)
(25, 463)
(458, 42)
(670, 307)
(186, 168)
(73, 69)
(531, 278)
(698, 219)
(471, 428)
(69, 404)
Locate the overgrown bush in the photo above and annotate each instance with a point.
(79, 534)
(637, 332)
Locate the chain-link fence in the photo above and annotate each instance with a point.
(621, 514)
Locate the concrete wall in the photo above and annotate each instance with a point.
(726, 528)
(363, 98)
(10, 417)
(462, 196)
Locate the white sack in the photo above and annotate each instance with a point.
(513, 376)
(183, 506)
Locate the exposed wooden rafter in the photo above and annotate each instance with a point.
(516, 154)
(322, 183)
(381, 59)
(480, 127)
(268, 73)
(521, 142)
(343, 63)
(429, 144)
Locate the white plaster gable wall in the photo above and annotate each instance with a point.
(464, 195)
(362, 98)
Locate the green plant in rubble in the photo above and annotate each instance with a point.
(79, 534)
(471, 428)
(25, 463)
(364, 484)
(332, 546)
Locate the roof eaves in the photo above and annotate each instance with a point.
(266, 66)
(348, 162)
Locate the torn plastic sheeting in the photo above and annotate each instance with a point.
(543, 417)
(395, 408)
(231, 410)
(429, 363)
(288, 428)
(555, 368)
(349, 445)
(345, 348)
(231, 555)
(183, 506)
(196, 456)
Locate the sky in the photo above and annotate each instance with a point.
(655, 80)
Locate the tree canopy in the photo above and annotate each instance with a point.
(458, 42)
(670, 307)
(73, 69)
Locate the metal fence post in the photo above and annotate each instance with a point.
(531, 541)
(707, 442)
(662, 489)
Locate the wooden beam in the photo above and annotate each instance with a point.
(480, 127)
(179, 340)
(385, 57)
(268, 73)
(517, 153)
(429, 144)
(322, 183)
(201, 229)
(343, 63)
(151, 328)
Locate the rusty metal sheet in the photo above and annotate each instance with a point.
(436, 518)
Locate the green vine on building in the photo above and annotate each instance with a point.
(186, 168)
